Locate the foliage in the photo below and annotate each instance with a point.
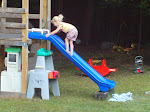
(137, 4)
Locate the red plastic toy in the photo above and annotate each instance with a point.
(103, 69)
(53, 75)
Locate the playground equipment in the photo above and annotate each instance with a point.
(16, 34)
(42, 75)
(104, 84)
(11, 78)
(138, 64)
(103, 69)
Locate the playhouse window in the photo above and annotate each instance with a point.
(12, 57)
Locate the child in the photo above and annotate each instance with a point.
(69, 29)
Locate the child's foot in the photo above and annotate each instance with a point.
(68, 52)
(71, 53)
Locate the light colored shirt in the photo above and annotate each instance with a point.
(66, 27)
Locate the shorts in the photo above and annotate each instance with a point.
(72, 34)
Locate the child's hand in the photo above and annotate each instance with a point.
(47, 35)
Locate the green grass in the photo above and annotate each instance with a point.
(77, 93)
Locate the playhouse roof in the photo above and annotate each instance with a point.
(13, 49)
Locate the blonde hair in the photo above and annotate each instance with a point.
(58, 18)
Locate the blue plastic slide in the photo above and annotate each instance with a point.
(103, 83)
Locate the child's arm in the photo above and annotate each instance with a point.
(55, 31)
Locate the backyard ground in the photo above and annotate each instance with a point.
(77, 92)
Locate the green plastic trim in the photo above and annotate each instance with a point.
(44, 24)
(13, 49)
(44, 52)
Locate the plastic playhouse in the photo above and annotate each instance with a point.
(103, 69)
(11, 79)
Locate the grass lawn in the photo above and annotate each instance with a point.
(77, 93)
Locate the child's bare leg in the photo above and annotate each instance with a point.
(71, 47)
(67, 44)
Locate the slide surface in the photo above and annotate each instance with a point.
(103, 83)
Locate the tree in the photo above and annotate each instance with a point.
(144, 4)
(137, 7)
